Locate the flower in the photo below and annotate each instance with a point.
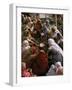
(26, 73)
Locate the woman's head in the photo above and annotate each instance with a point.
(50, 42)
(25, 43)
(58, 64)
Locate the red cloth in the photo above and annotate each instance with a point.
(40, 66)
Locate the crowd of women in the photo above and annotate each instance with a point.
(41, 46)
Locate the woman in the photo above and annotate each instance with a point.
(55, 53)
(26, 52)
(29, 53)
(55, 69)
(54, 33)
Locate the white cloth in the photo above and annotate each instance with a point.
(53, 45)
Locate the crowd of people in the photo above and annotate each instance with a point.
(41, 45)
